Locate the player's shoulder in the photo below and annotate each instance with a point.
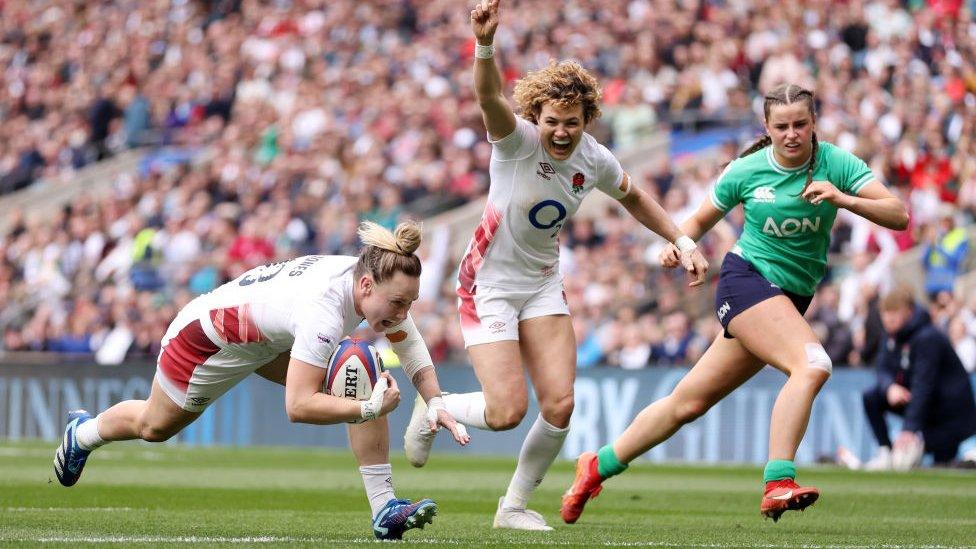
(591, 150)
(827, 152)
(308, 277)
(738, 168)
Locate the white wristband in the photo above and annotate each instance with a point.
(436, 403)
(685, 243)
(484, 52)
(368, 410)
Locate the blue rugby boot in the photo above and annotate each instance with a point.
(399, 515)
(70, 458)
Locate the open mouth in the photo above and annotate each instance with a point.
(386, 323)
(793, 147)
(561, 148)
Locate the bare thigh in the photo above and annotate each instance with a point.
(725, 366)
(276, 370)
(163, 418)
(498, 366)
(775, 332)
(548, 345)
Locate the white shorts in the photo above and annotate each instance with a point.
(493, 314)
(194, 371)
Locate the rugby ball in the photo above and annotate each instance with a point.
(354, 368)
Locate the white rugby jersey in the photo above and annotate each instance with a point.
(531, 197)
(304, 304)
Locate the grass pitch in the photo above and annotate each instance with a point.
(167, 495)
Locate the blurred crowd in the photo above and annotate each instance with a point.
(315, 115)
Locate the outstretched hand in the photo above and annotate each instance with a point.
(696, 265)
(692, 261)
(484, 21)
(437, 416)
(670, 256)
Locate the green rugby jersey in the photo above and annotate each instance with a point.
(786, 237)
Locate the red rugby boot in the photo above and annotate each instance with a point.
(786, 495)
(586, 485)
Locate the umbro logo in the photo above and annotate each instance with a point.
(545, 170)
(764, 194)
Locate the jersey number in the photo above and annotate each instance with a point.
(548, 221)
(264, 272)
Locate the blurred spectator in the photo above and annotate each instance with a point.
(678, 343)
(316, 114)
(963, 343)
(825, 320)
(920, 377)
(944, 252)
(635, 350)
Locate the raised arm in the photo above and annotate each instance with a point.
(497, 113)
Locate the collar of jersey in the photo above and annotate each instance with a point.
(779, 167)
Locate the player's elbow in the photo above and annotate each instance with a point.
(902, 222)
(632, 200)
(295, 410)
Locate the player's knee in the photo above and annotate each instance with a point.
(505, 418)
(557, 411)
(819, 365)
(154, 433)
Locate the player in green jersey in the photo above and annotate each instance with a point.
(791, 187)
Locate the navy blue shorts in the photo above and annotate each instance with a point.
(740, 286)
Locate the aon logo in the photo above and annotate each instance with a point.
(791, 226)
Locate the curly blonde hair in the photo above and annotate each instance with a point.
(565, 83)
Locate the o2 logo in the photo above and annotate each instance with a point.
(548, 214)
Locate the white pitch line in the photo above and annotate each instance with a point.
(274, 539)
(68, 509)
(175, 539)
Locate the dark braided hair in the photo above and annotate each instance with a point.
(787, 94)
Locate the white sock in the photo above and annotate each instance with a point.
(378, 480)
(539, 450)
(467, 408)
(87, 434)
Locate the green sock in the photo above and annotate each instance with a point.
(778, 469)
(607, 463)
